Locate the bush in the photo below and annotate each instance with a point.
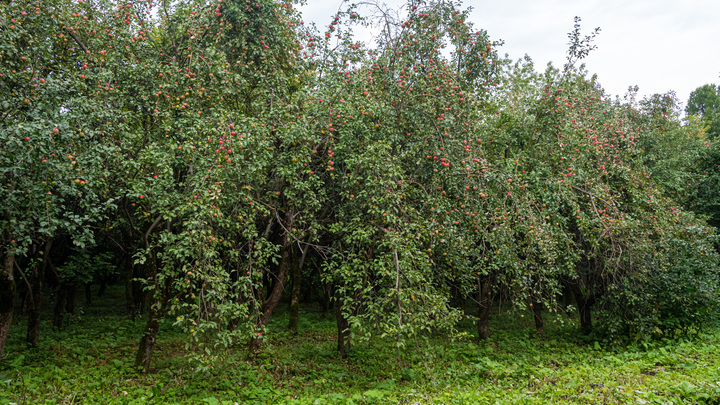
(676, 294)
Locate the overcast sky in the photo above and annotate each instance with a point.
(659, 45)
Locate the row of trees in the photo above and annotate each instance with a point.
(219, 156)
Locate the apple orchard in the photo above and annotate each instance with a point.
(219, 158)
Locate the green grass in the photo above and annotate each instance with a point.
(90, 362)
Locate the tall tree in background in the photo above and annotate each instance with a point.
(704, 102)
(704, 198)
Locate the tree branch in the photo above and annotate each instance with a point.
(77, 40)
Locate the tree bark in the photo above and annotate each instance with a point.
(138, 291)
(157, 308)
(324, 297)
(537, 307)
(70, 299)
(37, 279)
(276, 292)
(272, 300)
(584, 304)
(103, 285)
(485, 285)
(88, 294)
(8, 292)
(129, 299)
(295, 295)
(8, 289)
(343, 332)
(456, 299)
(537, 314)
(152, 327)
(59, 310)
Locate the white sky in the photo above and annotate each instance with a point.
(659, 45)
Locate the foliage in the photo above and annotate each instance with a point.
(704, 102)
(89, 364)
(53, 161)
(225, 150)
(86, 266)
(675, 295)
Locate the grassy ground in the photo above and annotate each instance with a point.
(89, 362)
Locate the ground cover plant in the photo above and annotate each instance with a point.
(88, 363)
(197, 169)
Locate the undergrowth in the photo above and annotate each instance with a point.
(90, 362)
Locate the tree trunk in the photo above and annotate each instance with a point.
(88, 295)
(324, 297)
(36, 288)
(485, 285)
(138, 291)
(59, 310)
(273, 299)
(129, 299)
(70, 300)
(129, 274)
(343, 332)
(567, 295)
(537, 314)
(103, 285)
(295, 296)
(8, 293)
(585, 316)
(456, 299)
(537, 307)
(278, 287)
(152, 326)
(157, 308)
(584, 303)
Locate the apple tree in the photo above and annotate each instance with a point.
(53, 161)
